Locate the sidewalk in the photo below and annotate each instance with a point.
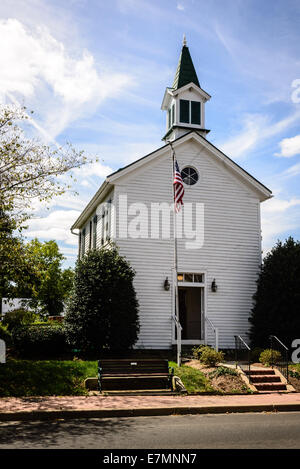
(41, 408)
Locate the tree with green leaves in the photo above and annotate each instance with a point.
(29, 171)
(16, 269)
(277, 300)
(51, 285)
(102, 313)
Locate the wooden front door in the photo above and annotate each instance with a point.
(190, 312)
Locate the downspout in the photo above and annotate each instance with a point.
(73, 232)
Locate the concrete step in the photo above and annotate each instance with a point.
(270, 386)
(260, 371)
(138, 392)
(265, 379)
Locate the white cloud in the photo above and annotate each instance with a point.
(292, 171)
(54, 226)
(278, 205)
(256, 129)
(274, 67)
(289, 147)
(180, 7)
(36, 66)
(94, 169)
(238, 145)
(279, 217)
(69, 200)
(121, 155)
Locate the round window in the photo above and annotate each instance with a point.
(189, 176)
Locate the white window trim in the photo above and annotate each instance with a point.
(190, 113)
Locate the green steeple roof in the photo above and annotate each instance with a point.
(185, 72)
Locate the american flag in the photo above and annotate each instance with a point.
(178, 188)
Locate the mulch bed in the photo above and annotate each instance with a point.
(295, 382)
(226, 384)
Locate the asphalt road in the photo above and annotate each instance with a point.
(273, 430)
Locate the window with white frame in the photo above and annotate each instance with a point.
(190, 277)
(190, 112)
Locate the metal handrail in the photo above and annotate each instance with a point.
(175, 319)
(239, 340)
(216, 332)
(281, 343)
(243, 342)
(285, 366)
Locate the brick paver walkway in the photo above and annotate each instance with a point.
(89, 403)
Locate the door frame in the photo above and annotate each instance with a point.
(203, 308)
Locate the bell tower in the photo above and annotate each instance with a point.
(184, 102)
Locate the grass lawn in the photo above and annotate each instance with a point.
(45, 378)
(193, 380)
(21, 378)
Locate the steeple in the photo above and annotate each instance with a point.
(185, 72)
(185, 101)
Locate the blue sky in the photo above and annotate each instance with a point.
(95, 72)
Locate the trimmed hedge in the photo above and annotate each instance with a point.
(47, 340)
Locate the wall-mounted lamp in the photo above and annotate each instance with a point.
(214, 286)
(167, 284)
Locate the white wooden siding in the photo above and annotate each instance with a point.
(230, 254)
(99, 232)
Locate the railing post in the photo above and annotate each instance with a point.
(287, 366)
(239, 343)
(236, 351)
(249, 365)
(284, 367)
(271, 346)
(217, 338)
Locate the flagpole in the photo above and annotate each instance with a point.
(178, 326)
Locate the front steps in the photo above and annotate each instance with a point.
(267, 380)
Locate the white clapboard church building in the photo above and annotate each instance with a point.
(218, 227)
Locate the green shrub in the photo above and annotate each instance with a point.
(18, 317)
(277, 300)
(210, 357)
(222, 371)
(45, 340)
(197, 351)
(5, 334)
(270, 357)
(102, 313)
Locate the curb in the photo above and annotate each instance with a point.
(143, 412)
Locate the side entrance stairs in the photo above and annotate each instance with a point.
(267, 380)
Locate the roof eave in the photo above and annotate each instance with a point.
(166, 99)
(203, 93)
(265, 191)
